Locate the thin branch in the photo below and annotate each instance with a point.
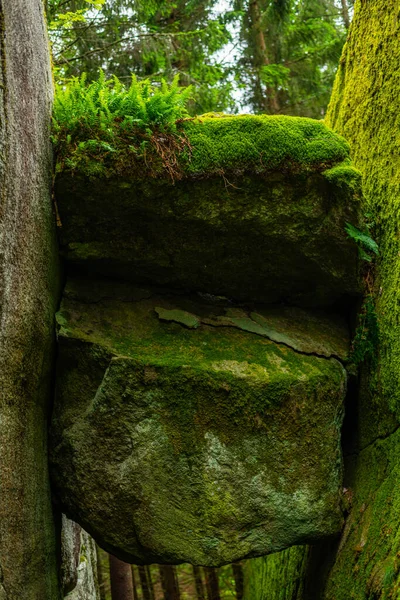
(76, 39)
(120, 41)
(95, 51)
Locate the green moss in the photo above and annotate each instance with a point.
(208, 146)
(209, 437)
(345, 176)
(261, 143)
(364, 110)
(231, 363)
(276, 238)
(279, 576)
(368, 565)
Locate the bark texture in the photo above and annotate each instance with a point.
(28, 285)
(212, 583)
(144, 582)
(198, 580)
(169, 582)
(238, 577)
(121, 579)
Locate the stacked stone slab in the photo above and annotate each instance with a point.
(200, 385)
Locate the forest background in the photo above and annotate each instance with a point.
(270, 56)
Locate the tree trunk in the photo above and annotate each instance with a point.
(267, 99)
(28, 299)
(364, 108)
(238, 576)
(150, 582)
(212, 583)
(121, 579)
(198, 580)
(100, 575)
(144, 582)
(345, 14)
(169, 582)
(134, 584)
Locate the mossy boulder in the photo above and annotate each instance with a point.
(183, 433)
(258, 212)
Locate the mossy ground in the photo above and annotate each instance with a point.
(213, 145)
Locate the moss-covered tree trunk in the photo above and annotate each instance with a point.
(27, 302)
(365, 109)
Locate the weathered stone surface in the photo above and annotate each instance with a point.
(202, 445)
(78, 563)
(70, 554)
(270, 238)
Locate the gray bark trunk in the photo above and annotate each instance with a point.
(345, 13)
(28, 294)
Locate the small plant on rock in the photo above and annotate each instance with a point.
(92, 121)
(367, 247)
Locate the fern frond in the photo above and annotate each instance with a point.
(363, 240)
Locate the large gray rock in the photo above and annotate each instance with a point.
(191, 430)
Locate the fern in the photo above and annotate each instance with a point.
(92, 121)
(365, 243)
(94, 108)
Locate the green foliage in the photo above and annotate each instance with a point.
(104, 128)
(92, 120)
(155, 40)
(366, 339)
(275, 75)
(67, 19)
(274, 56)
(81, 108)
(366, 245)
(304, 38)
